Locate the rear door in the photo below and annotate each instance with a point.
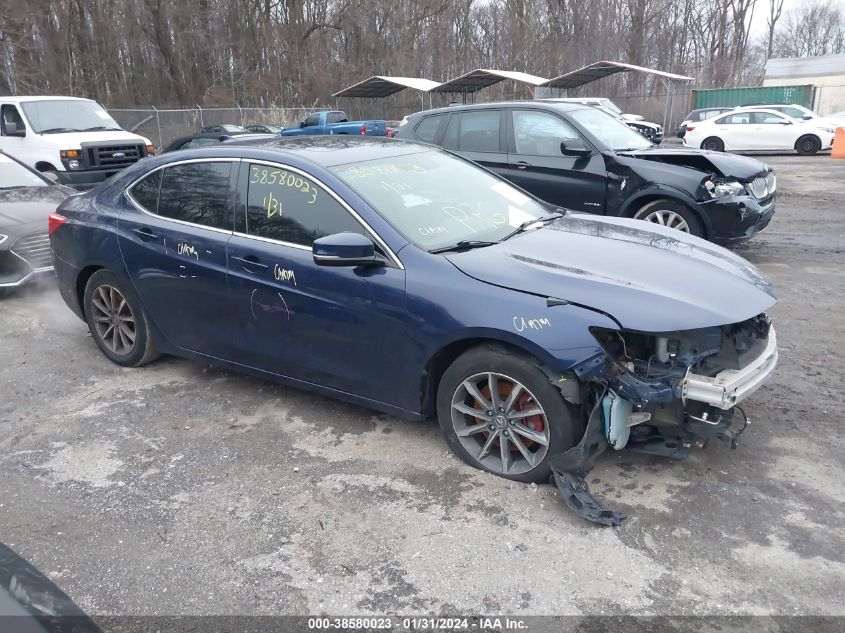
(736, 131)
(173, 240)
(323, 325)
(536, 164)
(479, 135)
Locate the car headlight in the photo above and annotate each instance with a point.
(724, 188)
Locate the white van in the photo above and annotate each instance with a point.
(75, 139)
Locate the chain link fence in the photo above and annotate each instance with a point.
(162, 126)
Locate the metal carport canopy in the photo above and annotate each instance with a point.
(598, 70)
(379, 86)
(475, 80)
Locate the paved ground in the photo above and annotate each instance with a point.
(180, 488)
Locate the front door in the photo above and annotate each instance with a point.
(536, 164)
(318, 324)
(173, 238)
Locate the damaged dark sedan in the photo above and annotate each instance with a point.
(582, 158)
(401, 277)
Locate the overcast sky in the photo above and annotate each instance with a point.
(761, 14)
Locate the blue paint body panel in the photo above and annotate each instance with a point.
(373, 334)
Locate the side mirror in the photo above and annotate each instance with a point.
(808, 117)
(10, 128)
(574, 147)
(785, 122)
(345, 249)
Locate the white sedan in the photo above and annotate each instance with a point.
(759, 129)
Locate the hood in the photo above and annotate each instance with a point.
(71, 140)
(29, 204)
(742, 168)
(652, 280)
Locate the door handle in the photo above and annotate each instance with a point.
(145, 234)
(522, 164)
(250, 261)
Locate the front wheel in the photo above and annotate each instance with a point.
(117, 321)
(713, 144)
(808, 145)
(672, 214)
(500, 413)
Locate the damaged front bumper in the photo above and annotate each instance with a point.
(731, 386)
(660, 394)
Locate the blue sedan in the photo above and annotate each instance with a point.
(403, 278)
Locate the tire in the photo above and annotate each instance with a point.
(559, 424)
(671, 213)
(808, 145)
(713, 144)
(114, 316)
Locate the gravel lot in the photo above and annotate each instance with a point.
(181, 488)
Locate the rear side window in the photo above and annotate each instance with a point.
(285, 206)
(480, 131)
(145, 192)
(197, 193)
(426, 129)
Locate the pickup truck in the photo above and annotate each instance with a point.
(335, 122)
(71, 140)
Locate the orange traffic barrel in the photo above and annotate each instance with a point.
(838, 150)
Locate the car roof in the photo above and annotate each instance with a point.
(324, 151)
(18, 99)
(561, 106)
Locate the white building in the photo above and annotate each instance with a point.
(826, 73)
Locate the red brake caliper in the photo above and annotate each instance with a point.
(535, 422)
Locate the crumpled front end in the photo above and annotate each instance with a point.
(661, 393)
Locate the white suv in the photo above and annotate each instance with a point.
(75, 139)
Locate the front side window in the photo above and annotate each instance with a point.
(198, 193)
(480, 131)
(609, 131)
(67, 115)
(12, 121)
(767, 118)
(311, 121)
(436, 200)
(539, 133)
(286, 206)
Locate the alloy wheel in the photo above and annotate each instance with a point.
(113, 319)
(664, 217)
(500, 423)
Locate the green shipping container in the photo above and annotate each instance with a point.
(731, 97)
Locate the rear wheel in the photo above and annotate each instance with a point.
(671, 213)
(713, 144)
(117, 321)
(808, 145)
(499, 412)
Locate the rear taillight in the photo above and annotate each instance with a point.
(690, 128)
(54, 221)
(391, 133)
(363, 129)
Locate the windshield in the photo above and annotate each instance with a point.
(607, 103)
(13, 175)
(609, 131)
(66, 115)
(436, 200)
(797, 112)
